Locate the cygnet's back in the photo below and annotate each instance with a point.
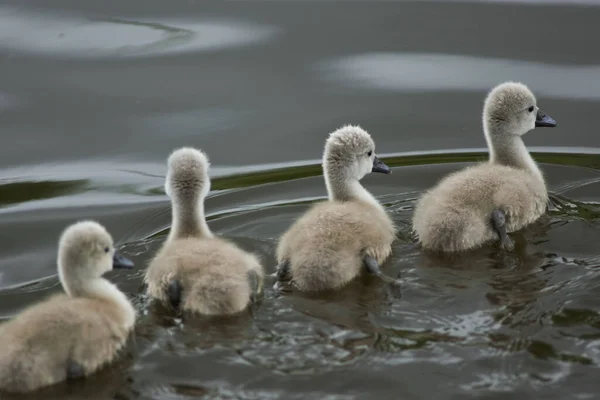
(195, 271)
(484, 202)
(326, 247)
(74, 334)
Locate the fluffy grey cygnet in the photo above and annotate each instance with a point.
(350, 232)
(484, 202)
(194, 270)
(70, 335)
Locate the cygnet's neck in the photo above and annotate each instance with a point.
(509, 149)
(188, 219)
(341, 187)
(102, 289)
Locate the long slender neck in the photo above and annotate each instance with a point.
(507, 149)
(100, 288)
(188, 219)
(341, 187)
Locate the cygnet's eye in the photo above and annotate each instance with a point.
(369, 153)
(530, 109)
(106, 249)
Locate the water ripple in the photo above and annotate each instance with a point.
(436, 72)
(51, 34)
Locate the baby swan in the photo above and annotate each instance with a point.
(70, 335)
(481, 203)
(336, 239)
(194, 270)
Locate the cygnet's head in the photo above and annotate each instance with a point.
(187, 175)
(350, 151)
(86, 251)
(511, 108)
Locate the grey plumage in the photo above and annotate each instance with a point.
(456, 214)
(214, 276)
(81, 330)
(324, 248)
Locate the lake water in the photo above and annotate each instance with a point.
(95, 95)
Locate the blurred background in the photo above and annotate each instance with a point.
(94, 95)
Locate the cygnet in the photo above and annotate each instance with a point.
(338, 239)
(484, 202)
(72, 335)
(194, 270)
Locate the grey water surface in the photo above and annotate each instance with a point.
(95, 94)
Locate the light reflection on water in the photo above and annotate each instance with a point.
(448, 72)
(489, 315)
(527, 2)
(105, 95)
(89, 183)
(62, 34)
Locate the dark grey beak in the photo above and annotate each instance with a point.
(120, 261)
(379, 166)
(544, 120)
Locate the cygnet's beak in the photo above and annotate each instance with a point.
(544, 120)
(379, 166)
(120, 261)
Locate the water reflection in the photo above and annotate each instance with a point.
(506, 321)
(527, 2)
(73, 35)
(109, 383)
(8, 101)
(449, 72)
(19, 192)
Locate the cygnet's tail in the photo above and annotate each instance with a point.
(325, 269)
(452, 230)
(218, 295)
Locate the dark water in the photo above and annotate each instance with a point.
(94, 95)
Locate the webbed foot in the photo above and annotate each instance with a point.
(174, 290)
(499, 225)
(256, 286)
(283, 276)
(284, 272)
(74, 371)
(373, 268)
